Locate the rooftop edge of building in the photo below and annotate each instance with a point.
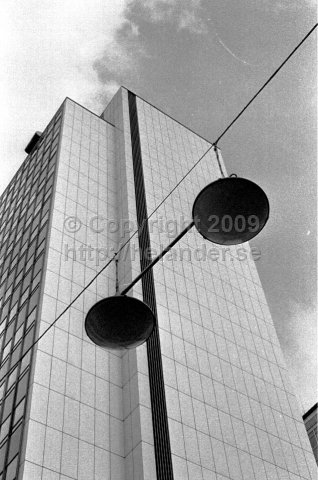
(311, 410)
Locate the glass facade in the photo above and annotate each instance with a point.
(25, 214)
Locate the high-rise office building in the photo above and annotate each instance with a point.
(207, 397)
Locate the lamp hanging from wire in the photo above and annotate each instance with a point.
(228, 211)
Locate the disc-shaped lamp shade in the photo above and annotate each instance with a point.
(230, 211)
(119, 322)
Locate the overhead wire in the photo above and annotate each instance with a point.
(140, 228)
(266, 83)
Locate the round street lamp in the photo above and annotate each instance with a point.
(119, 322)
(229, 211)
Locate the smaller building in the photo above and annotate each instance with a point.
(310, 420)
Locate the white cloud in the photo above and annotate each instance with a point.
(185, 14)
(279, 6)
(159, 10)
(191, 21)
(50, 49)
(47, 52)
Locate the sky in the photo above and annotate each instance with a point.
(199, 61)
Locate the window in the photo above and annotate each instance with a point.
(22, 315)
(6, 351)
(31, 318)
(28, 339)
(9, 332)
(13, 311)
(44, 219)
(16, 353)
(25, 362)
(22, 388)
(18, 334)
(5, 311)
(24, 297)
(12, 469)
(8, 404)
(36, 281)
(15, 441)
(18, 413)
(12, 377)
(4, 430)
(18, 278)
(3, 370)
(38, 264)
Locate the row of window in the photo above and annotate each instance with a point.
(24, 199)
(14, 348)
(20, 287)
(32, 226)
(25, 209)
(28, 195)
(30, 220)
(11, 429)
(13, 405)
(9, 239)
(29, 261)
(12, 379)
(45, 143)
(26, 186)
(16, 439)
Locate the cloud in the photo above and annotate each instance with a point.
(281, 6)
(121, 56)
(184, 14)
(47, 51)
(52, 45)
(76, 48)
(189, 20)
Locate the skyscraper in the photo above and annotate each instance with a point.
(208, 396)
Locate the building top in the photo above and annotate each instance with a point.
(310, 411)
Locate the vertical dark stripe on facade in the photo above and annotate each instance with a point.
(156, 381)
